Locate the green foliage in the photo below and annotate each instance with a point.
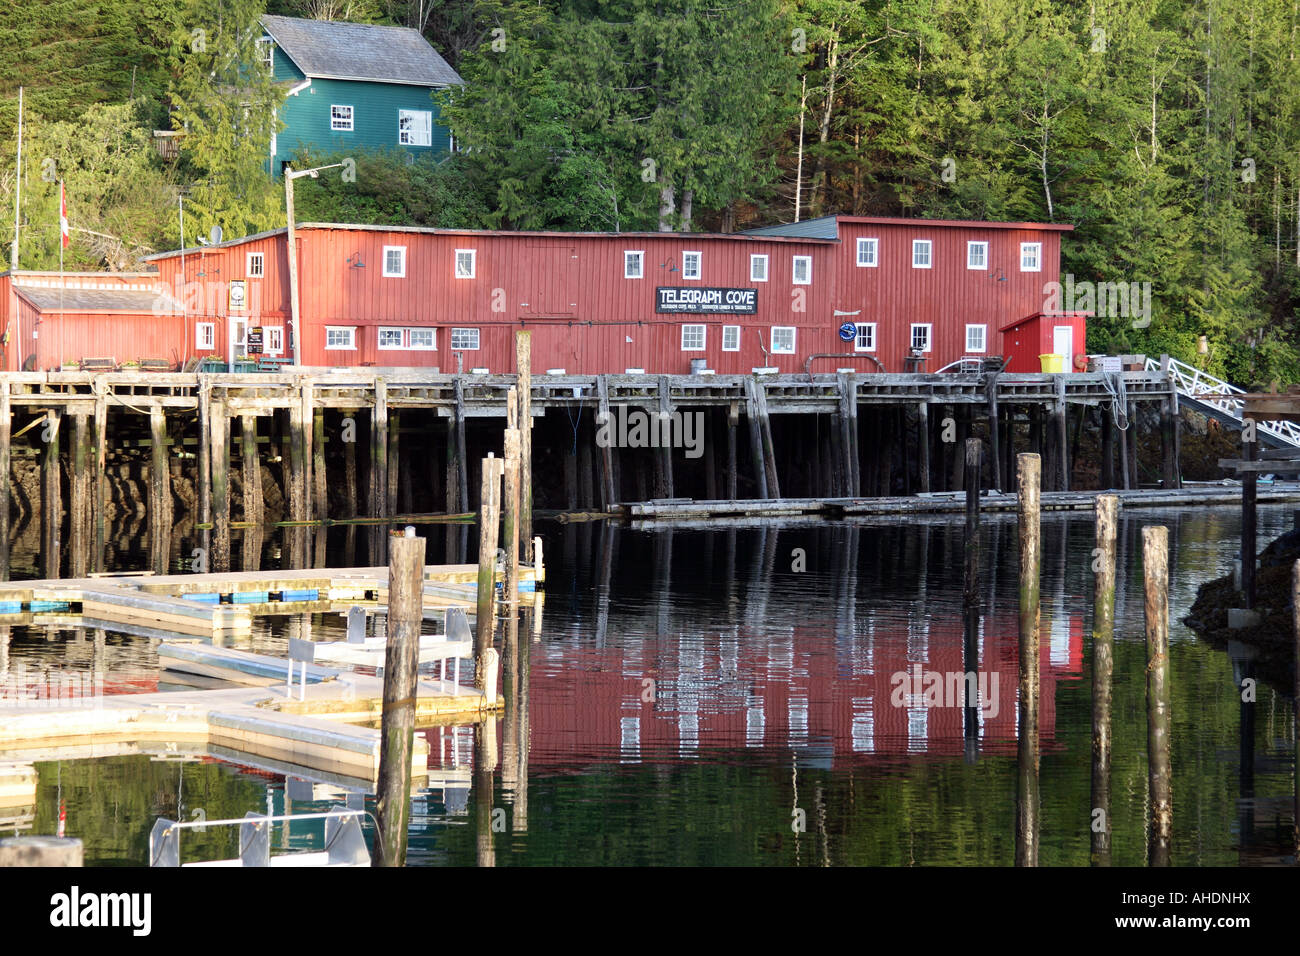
(225, 101)
(390, 191)
(114, 187)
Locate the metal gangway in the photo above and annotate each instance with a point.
(1216, 398)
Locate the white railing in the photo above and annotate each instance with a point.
(1199, 385)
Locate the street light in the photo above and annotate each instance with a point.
(289, 176)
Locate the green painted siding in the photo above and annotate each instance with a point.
(375, 106)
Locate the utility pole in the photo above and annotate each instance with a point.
(295, 331)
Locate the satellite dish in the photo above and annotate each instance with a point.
(215, 235)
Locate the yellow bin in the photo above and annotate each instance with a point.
(1052, 363)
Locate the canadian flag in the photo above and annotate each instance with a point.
(63, 215)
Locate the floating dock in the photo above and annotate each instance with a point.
(217, 606)
(679, 511)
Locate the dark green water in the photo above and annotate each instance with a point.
(693, 696)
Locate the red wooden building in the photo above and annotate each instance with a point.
(912, 295)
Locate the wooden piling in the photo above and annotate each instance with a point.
(510, 529)
(733, 420)
(1295, 708)
(99, 481)
(1107, 448)
(205, 462)
(995, 440)
(970, 598)
(319, 478)
(457, 483)
(349, 448)
(586, 473)
(849, 420)
(524, 382)
(253, 508)
(1155, 567)
(664, 457)
(1131, 435)
(605, 421)
(755, 437)
(1061, 429)
(1028, 482)
(378, 498)
(79, 550)
(489, 511)
(218, 428)
(974, 451)
(1249, 485)
(1103, 665)
(394, 462)
(51, 495)
(397, 725)
(160, 492)
(923, 446)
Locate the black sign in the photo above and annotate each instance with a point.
(253, 341)
(707, 300)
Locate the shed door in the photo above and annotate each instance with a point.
(1063, 344)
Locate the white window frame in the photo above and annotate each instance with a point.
(753, 261)
(473, 263)
(868, 252)
(401, 274)
(699, 264)
(929, 336)
(734, 329)
(273, 339)
(388, 329)
(266, 52)
(337, 122)
(857, 337)
(983, 246)
(634, 255)
(260, 270)
(793, 340)
(928, 245)
(703, 332)
(433, 339)
(794, 270)
(412, 133)
(205, 336)
(1037, 248)
(451, 339)
(351, 331)
(984, 339)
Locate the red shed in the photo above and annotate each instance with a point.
(1046, 333)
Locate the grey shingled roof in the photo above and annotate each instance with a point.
(327, 49)
(49, 299)
(827, 227)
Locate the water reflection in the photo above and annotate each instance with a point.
(689, 692)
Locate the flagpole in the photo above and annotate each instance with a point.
(18, 181)
(63, 238)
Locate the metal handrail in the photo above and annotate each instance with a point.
(1197, 384)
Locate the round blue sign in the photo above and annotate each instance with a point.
(848, 331)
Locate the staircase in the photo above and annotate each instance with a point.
(1217, 399)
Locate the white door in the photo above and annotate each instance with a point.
(1063, 344)
(238, 333)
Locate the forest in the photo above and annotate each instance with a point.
(1167, 133)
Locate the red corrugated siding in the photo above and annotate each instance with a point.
(1028, 340)
(948, 295)
(587, 318)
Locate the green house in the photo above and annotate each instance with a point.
(353, 86)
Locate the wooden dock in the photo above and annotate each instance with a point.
(326, 733)
(234, 455)
(687, 512)
(220, 606)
